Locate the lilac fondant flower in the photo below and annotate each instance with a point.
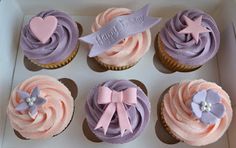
(30, 102)
(206, 106)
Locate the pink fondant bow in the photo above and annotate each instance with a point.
(116, 101)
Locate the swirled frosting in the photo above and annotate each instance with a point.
(53, 116)
(182, 47)
(138, 115)
(128, 51)
(60, 45)
(182, 122)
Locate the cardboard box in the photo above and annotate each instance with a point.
(14, 13)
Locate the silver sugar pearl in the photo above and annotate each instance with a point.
(203, 108)
(33, 99)
(209, 105)
(208, 109)
(28, 100)
(30, 103)
(203, 103)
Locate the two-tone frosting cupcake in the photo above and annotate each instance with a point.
(196, 112)
(188, 40)
(40, 107)
(50, 39)
(117, 111)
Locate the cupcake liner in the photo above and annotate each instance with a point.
(59, 64)
(168, 61)
(164, 124)
(112, 67)
(67, 60)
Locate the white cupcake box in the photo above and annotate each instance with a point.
(14, 13)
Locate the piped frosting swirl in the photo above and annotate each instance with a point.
(53, 116)
(183, 123)
(138, 115)
(60, 45)
(183, 47)
(128, 51)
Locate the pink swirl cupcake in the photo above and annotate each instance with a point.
(126, 53)
(40, 107)
(196, 112)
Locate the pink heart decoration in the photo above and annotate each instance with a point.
(43, 28)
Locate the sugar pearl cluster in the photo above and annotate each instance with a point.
(206, 106)
(30, 100)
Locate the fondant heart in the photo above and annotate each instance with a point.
(43, 28)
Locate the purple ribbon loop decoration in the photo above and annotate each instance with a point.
(116, 101)
(118, 29)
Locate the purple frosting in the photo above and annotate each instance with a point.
(138, 115)
(60, 45)
(182, 47)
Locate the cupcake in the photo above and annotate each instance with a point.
(50, 39)
(40, 107)
(196, 112)
(117, 111)
(126, 52)
(188, 40)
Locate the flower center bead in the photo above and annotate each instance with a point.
(30, 101)
(205, 106)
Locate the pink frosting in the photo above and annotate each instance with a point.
(53, 116)
(183, 124)
(128, 51)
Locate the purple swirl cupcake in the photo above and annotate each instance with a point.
(117, 111)
(50, 39)
(188, 40)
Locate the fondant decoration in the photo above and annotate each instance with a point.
(118, 29)
(206, 106)
(194, 28)
(115, 103)
(43, 28)
(30, 102)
